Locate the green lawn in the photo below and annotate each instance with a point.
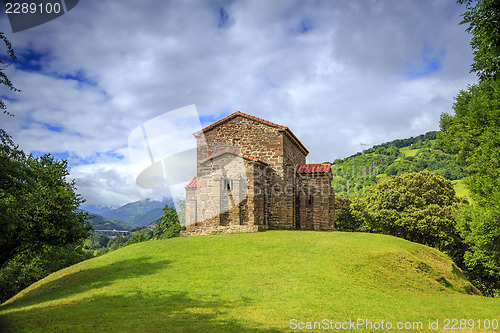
(460, 189)
(250, 283)
(408, 152)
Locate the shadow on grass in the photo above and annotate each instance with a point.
(87, 279)
(137, 312)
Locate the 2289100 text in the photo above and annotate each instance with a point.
(461, 324)
(32, 8)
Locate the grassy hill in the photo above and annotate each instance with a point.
(249, 283)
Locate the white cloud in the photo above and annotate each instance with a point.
(337, 73)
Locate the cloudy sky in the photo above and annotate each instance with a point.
(337, 73)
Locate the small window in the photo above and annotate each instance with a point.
(310, 199)
(228, 184)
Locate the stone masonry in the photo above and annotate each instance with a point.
(252, 175)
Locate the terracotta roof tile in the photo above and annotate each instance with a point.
(234, 152)
(312, 168)
(239, 113)
(193, 183)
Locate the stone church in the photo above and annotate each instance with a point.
(252, 175)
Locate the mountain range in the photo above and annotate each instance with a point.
(131, 215)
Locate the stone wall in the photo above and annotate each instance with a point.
(316, 200)
(211, 230)
(249, 136)
(217, 204)
(191, 206)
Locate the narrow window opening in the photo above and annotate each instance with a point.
(228, 184)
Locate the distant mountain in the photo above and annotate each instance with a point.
(95, 209)
(104, 223)
(140, 213)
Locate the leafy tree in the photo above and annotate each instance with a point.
(479, 226)
(473, 135)
(30, 267)
(97, 241)
(38, 206)
(3, 65)
(344, 218)
(418, 207)
(136, 238)
(483, 18)
(168, 225)
(42, 229)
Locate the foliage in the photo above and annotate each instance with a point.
(102, 244)
(483, 18)
(100, 222)
(345, 220)
(29, 267)
(418, 207)
(480, 228)
(168, 225)
(472, 133)
(39, 214)
(38, 206)
(137, 238)
(4, 80)
(353, 175)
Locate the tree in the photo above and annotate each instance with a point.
(38, 206)
(418, 207)
(30, 267)
(344, 218)
(473, 135)
(3, 65)
(480, 226)
(168, 225)
(41, 226)
(483, 18)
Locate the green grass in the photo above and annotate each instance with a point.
(249, 283)
(460, 189)
(408, 152)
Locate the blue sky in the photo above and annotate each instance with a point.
(337, 73)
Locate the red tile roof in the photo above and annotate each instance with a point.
(193, 183)
(234, 152)
(312, 168)
(239, 113)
